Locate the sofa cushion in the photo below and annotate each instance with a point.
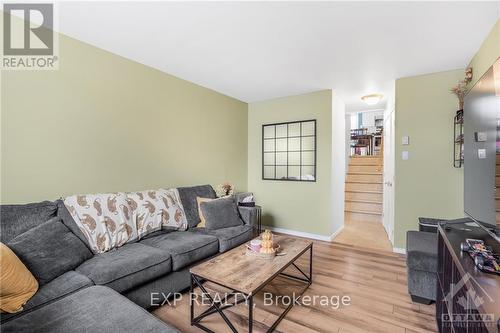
(126, 267)
(230, 237)
(61, 286)
(422, 284)
(93, 309)
(49, 250)
(185, 247)
(221, 213)
(17, 219)
(188, 197)
(421, 250)
(155, 292)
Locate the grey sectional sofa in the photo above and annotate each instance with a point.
(87, 297)
(421, 260)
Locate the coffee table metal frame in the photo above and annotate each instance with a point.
(220, 306)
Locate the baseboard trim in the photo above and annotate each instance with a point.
(398, 250)
(336, 233)
(303, 234)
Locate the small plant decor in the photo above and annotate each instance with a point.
(224, 190)
(460, 90)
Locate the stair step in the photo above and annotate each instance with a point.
(373, 161)
(355, 216)
(364, 189)
(363, 182)
(363, 207)
(365, 201)
(364, 196)
(363, 212)
(357, 186)
(368, 168)
(365, 178)
(369, 191)
(364, 173)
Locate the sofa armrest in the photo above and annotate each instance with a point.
(239, 196)
(249, 215)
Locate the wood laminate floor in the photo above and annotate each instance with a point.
(374, 280)
(367, 234)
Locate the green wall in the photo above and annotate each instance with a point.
(297, 206)
(105, 123)
(486, 55)
(427, 184)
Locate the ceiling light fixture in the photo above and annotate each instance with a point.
(372, 99)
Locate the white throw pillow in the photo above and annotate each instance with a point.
(153, 210)
(104, 218)
(174, 216)
(146, 208)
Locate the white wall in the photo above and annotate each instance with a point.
(354, 120)
(348, 126)
(338, 163)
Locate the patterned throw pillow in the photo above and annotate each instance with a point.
(105, 219)
(156, 209)
(173, 216)
(146, 208)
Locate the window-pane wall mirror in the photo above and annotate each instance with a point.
(289, 151)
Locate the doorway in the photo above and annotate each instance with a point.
(389, 164)
(365, 185)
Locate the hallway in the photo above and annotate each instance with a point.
(364, 205)
(365, 234)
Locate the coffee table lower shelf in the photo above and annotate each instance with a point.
(220, 306)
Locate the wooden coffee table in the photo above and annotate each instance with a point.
(246, 276)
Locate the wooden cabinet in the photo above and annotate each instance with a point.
(468, 300)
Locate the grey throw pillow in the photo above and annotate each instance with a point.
(49, 250)
(220, 213)
(17, 219)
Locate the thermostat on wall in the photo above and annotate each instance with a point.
(480, 136)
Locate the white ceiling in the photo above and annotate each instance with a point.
(255, 51)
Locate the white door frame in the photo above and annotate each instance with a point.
(389, 166)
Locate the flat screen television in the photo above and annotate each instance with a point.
(482, 150)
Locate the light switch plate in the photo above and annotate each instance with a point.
(405, 140)
(405, 154)
(481, 154)
(481, 136)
